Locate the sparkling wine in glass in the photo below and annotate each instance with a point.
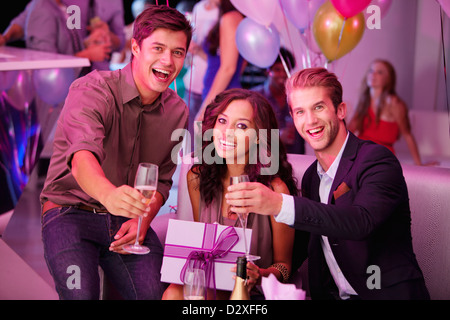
(146, 181)
(194, 284)
(243, 217)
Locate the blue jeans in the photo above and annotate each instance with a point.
(76, 242)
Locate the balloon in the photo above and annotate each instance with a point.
(52, 85)
(311, 41)
(445, 4)
(261, 11)
(257, 44)
(22, 91)
(290, 37)
(350, 8)
(7, 79)
(301, 12)
(327, 27)
(137, 6)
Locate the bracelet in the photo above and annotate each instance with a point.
(283, 270)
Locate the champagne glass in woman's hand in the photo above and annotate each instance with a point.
(146, 182)
(243, 217)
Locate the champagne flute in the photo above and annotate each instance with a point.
(243, 217)
(194, 284)
(146, 181)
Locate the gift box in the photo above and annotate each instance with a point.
(212, 247)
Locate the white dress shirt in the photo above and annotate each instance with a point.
(287, 216)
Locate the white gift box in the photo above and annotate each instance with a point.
(188, 240)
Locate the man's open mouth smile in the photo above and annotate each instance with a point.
(161, 74)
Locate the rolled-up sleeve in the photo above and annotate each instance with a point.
(83, 120)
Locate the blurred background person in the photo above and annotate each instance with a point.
(273, 89)
(225, 64)
(43, 26)
(120, 59)
(380, 115)
(247, 113)
(205, 15)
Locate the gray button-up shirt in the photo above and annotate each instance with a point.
(104, 115)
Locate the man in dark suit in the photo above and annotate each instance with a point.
(355, 202)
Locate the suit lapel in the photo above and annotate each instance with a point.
(315, 183)
(347, 159)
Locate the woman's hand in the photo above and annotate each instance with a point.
(253, 274)
(127, 235)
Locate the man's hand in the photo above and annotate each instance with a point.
(127, 235)
(127, 202)
(254, 197)
(97, 52)
(120, 201)
(253, 274)
(128, 231)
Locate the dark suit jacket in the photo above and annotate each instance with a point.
(367, 221)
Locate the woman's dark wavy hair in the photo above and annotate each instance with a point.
(211, 175)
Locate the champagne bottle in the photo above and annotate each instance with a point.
(240, 291)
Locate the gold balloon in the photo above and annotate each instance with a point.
(327, 28)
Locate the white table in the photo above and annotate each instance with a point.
(12, 58)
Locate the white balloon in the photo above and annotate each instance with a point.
(258, 44)
(261, 11)
(301, 12)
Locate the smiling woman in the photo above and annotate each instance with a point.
(239, 119)
(234, 132)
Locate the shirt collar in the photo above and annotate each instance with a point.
(130, 91)
(334, 166)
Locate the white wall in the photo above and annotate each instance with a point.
(428, 63)
(395, 42)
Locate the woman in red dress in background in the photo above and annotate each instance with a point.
(381, 116)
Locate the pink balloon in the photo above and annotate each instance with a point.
(350, 8)
(7, 79)
(311, 41)
(301, 12)
(52, 85)
(22, 91)
(257, 44)
(261, 11)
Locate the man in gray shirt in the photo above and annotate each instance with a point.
(85, 28)
(112, 121)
